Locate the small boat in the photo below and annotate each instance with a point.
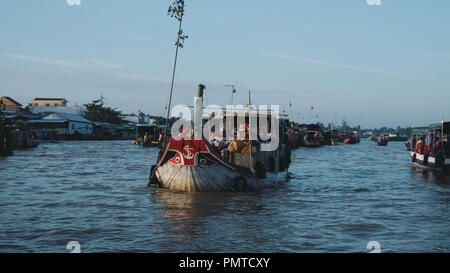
(352, 138)
(330, 137)
(432, 151)
(382, 141)
(150, 132)
(312, 139)
(397, 137)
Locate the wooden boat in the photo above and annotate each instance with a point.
(197, 166)
(312, 139)
(382, 141)
(153, 132)
(397, 137)
(437, 156)
(352, 138)
(330, 137)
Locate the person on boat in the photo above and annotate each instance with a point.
(413, 142)
(425, 149)
(437, 143)
(422, 145)
(146, 138)
(418, 145)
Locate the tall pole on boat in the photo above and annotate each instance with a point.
(177, 44)
(175, 10)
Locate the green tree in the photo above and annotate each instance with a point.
(97, 112)
(176, 10)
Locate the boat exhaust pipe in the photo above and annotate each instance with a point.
(198, 113)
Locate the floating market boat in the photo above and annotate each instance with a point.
(351, 138)
(397, 137)
(199, 166)
(149, 135)
(432, 151)
(382, 141)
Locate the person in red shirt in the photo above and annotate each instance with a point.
(425, 149)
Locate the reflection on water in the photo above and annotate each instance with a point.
(338, 200)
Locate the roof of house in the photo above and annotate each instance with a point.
(49, 99)
(70, 117)
(12, 100)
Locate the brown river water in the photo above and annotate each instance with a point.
(339, 199)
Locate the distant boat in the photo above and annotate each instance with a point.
(352, 138)
(397, 137)
(312, 139)
(154, 135)
(382, 141)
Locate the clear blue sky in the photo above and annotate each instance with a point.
(372, 65)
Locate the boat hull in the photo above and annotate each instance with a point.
(195, 166)
(210, 179)
(431, 163)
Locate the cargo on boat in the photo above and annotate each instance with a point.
(225, 164)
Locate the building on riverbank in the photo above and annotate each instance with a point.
(49, 102)
(9, 104)
(57, 123)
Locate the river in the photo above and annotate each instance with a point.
(338, 200)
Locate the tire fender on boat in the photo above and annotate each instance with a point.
(414, 158)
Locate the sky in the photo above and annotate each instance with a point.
(372, 65)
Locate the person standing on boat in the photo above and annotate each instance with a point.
(419, 145)
(146, 138)
(422, 146)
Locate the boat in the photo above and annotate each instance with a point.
(312, 139)
(192, 165)
(153, 132)
(330, 137)
(432, 151)
(351, 138)
(310, 135)
(397, 137)
(382, 141)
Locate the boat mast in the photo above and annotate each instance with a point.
(233, 90)
(178, 10)
(175, 10)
